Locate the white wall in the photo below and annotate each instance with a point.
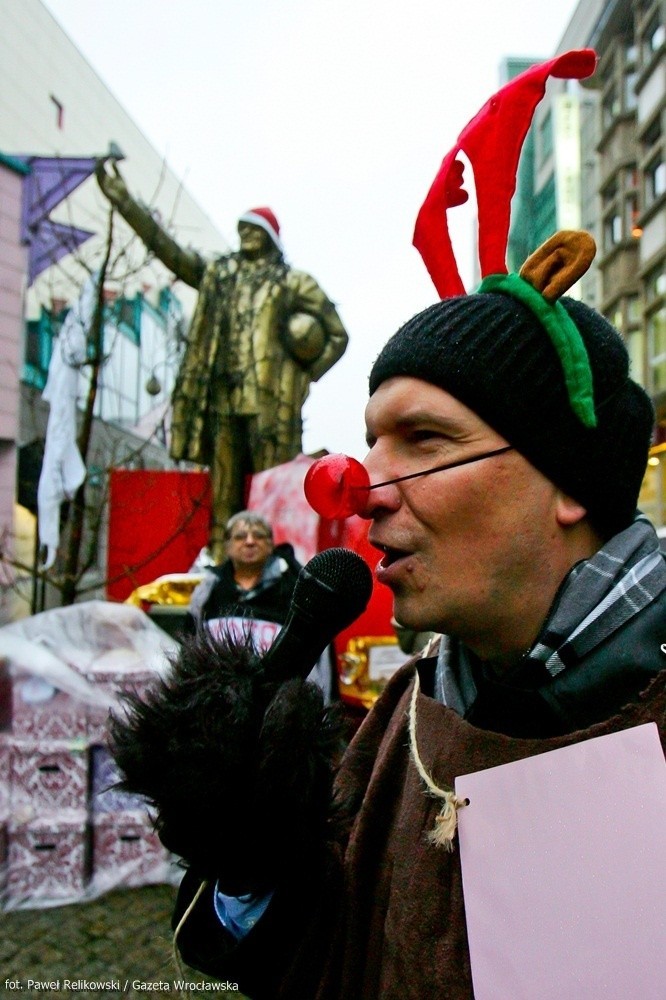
(38, 62)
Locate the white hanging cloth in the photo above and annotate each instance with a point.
(63, 469)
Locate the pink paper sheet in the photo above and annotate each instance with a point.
(564, 872)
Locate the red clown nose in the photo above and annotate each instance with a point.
(337, 486)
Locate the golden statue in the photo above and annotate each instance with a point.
(260, 334)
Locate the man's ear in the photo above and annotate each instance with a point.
(568, 511)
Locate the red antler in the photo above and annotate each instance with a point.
(492, 141)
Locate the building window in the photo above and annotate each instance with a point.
(635, 343)
(617, 319)
(656, 328)
(655, 283)
(40, 335)
(634, 310)
(139, 348)
(612, 231)
(118, 390)
(655, 35)
(631, 214)
(609, 193)
(546, 138)
(610, 108)
(655, 180)
(126, 313)
(172, 309)
(652, 38)
(631, 179)
(545, 217)
(651, 135)
(630, 98)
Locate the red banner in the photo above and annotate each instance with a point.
(158, 524)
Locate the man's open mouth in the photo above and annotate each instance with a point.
(391, 555)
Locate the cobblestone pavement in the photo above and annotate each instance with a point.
(122, 938)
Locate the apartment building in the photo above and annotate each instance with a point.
(599, 164)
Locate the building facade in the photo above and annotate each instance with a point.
(599, 164)
(13, 267)
(53, 106)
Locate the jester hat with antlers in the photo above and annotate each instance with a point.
(550, 374)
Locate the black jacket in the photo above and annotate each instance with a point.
(268, 601)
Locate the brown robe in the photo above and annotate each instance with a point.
(388, 922)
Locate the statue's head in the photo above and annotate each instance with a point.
(259, 233)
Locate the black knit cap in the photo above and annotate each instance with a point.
(491, 353)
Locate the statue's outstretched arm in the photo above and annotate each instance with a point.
(187, 265)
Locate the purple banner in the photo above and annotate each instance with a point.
(50, 242)
(50, 181)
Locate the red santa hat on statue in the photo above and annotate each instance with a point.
(265, 219)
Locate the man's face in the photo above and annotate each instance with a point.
(249, 546)
(254, 241)
(462, 547)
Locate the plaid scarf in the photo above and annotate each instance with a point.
(598, 597)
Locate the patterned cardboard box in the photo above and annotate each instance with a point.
(5, 694)
(105, 797)
(4, 772)
(4, 821)
(48, 857)
(48, 777)
(126, 851)
(114, 683)
(43, 712)
(97, 726)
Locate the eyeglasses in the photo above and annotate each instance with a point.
(442, 468)
(258, 533)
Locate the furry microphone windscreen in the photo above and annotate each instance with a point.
(238, 769)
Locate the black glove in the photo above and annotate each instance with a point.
(239, 769)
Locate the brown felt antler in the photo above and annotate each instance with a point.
(559, 262)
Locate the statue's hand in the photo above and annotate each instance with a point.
(112, 184)
(186, 264)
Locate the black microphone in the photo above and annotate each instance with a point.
(331, 591)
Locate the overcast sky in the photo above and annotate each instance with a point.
(336, 113)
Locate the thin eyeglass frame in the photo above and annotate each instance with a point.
(438, 468)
